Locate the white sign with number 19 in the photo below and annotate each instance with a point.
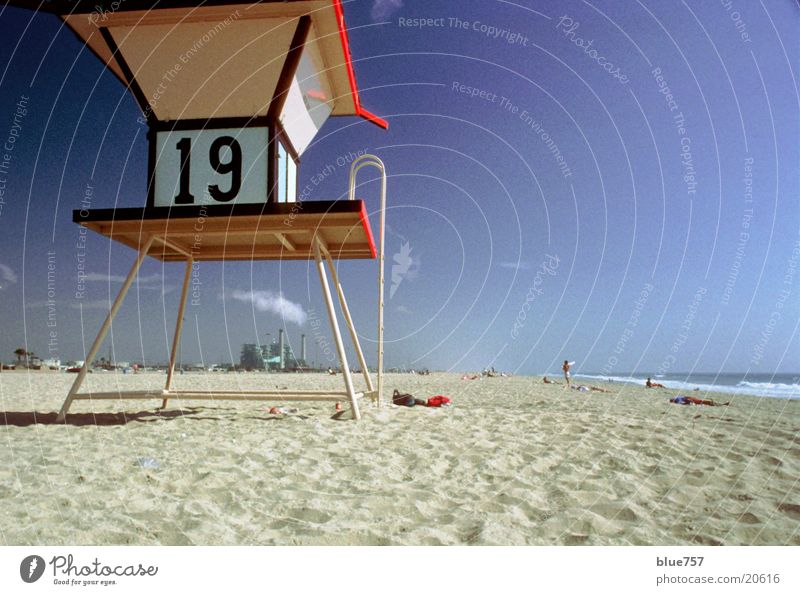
(203, 167)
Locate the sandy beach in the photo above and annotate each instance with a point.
(513, 462)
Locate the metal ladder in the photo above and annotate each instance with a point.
(369, 160)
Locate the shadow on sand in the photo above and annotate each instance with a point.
(30, 418)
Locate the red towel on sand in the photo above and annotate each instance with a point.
(438, 401)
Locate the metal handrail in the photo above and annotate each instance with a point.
(375, 161)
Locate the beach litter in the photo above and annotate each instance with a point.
(283, 410)
(147, 463)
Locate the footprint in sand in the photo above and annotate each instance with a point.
(791, 510)
(749, 518)
(614, 512)
(310, 515)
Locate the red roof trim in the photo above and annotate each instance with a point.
(373, 118)
(364, 113)
(367, 229)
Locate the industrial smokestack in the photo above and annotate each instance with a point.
(303, 349)
(280, 346)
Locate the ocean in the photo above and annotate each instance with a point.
(776, 386)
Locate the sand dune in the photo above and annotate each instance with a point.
(513, 462)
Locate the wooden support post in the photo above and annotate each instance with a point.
(337, 336)
(178, 327)
(104, 330)
(349, 320)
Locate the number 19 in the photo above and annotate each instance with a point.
(233, 167)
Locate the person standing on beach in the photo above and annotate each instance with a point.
(566, 367)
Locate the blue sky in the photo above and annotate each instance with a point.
(547, 200)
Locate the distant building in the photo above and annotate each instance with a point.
(272, 357)
(268, 357)
(252, 357)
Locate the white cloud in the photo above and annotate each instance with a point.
(7, 274)
(142, 279)
(104, 277)
(383, 9)
(270, 301)
(31, 304)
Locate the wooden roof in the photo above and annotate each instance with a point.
(201, 59)
(268, 231)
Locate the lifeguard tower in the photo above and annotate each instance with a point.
(232, 93)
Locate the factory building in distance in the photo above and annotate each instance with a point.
(276, 356)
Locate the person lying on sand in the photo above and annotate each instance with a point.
(651, 384)
(470, 377)
(406, 400)
(681, 400)
(548, 381)
(585, 389)
(599, 390)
